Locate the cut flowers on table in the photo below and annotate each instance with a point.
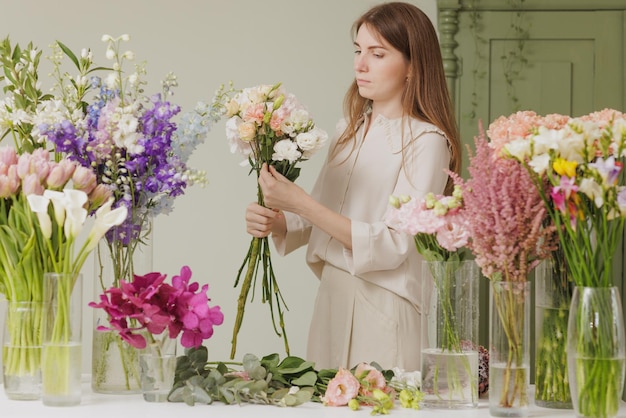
(291, 381)
(267, 124)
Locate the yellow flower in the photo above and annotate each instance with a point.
(564, 167)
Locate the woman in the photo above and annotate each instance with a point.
(399, 139)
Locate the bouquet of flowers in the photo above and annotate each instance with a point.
(266, 124)
(150, 304)
(511, 235)
(576, 167)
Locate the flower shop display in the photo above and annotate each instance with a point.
(150, 314)
(291, 381)
(509, 238)
(553, 287)
(577, 168)
(266, 124)
(41, 219)
(102, 118)
(449, 297)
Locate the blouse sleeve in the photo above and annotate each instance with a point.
(375, 246)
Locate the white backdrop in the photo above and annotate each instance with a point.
(304, 44)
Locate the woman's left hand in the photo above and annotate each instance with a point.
(279, 192)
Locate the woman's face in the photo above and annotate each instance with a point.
(381, 71)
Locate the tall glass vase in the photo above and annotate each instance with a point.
(61, 363)
(126, 250)
(509, 348)
(596, 351)
(553, 297)
(21, 350)
(450, 334)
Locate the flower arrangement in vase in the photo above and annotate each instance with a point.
(510, 235)
(43, 207)
(553, 286)
(449, 296)
(577, 168)
(267, 125)
(149, 314)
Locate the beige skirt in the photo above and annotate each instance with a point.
(357, 321)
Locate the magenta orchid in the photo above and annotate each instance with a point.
(155, 306)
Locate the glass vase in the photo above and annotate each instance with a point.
(449, 334)
(509, 348)
(553, 296)
(125, 251)
(61, 363)
(21, 350)
(158, 365)
(596, 351)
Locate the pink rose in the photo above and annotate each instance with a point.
(341, 389)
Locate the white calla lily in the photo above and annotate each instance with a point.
(58, 204)
(39, 205)
(105, 220)
(74, 221)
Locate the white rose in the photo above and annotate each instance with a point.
(286, 150)
(311, 141)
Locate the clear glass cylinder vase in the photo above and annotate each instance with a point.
(553, 297)
(158, 365)
(596, 351)
(21, 350)
(61, 365)
(125, 251)
(509, 348)
(449, 350)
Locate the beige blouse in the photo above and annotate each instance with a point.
(359, 188)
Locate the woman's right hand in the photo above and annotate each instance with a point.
(261, 221)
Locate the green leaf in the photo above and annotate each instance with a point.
(69, 54)
(270, 361)
(307, 379)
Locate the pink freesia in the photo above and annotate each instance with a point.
(341, 389)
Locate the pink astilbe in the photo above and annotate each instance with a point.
(507, 217)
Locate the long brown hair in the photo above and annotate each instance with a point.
(426, 96)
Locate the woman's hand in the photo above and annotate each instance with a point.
(279, 192)
(261, 221)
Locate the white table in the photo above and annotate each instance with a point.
(122, 406)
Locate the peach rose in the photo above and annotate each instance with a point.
(247, 131)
